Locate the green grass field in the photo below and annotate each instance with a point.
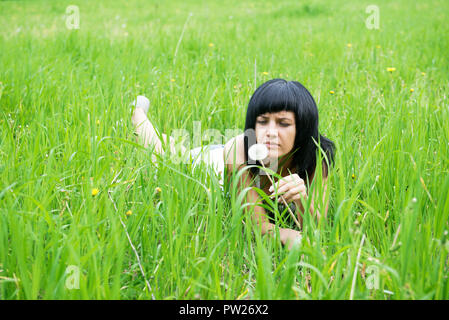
(65, 130)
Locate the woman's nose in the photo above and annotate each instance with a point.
(272, 128)
(272, 133)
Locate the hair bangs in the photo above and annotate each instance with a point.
(274, 96)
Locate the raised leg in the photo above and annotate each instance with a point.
(147, 134)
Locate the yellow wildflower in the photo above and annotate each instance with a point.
(211, 44)
(349, 45)
(423, 73)
(158, 189)
(172, 80)
(378, 46)
(95, 191)
(332, 92)
(411, 89)
(353, 176)
(128, 213)
(265, 73)
(391, 69)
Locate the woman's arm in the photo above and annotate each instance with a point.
(324, 202)
(287, 236)
(234, 161)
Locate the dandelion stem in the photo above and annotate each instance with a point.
(285, 202)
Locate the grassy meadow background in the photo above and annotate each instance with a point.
(170, 233)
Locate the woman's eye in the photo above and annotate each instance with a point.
(265, 122)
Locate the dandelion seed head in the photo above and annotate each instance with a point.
(258, 152)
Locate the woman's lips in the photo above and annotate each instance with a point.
(271, 145)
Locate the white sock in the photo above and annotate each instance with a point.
(142, 102)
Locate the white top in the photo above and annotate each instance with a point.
(212, 155)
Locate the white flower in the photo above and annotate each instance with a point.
(258, 152)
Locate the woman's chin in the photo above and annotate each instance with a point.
(274, 154)
(270, 159)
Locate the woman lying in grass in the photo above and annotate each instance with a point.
(283, 117)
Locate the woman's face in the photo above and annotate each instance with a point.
(277, 131)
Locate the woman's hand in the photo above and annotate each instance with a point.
(289, 237)
(292, 188)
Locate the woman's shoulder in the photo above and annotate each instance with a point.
(234, 151)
